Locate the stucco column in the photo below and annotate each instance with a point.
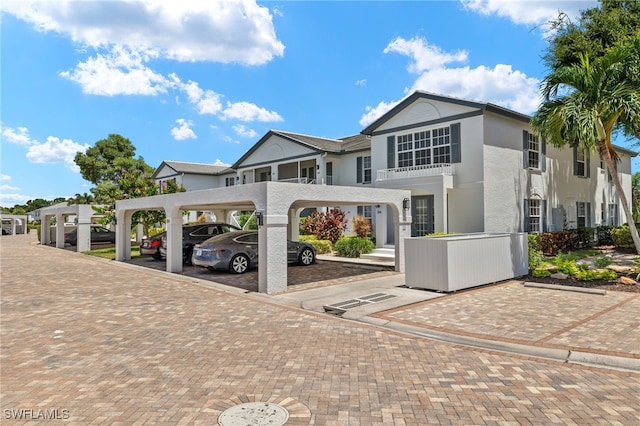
(440, 205)
(272, 254)
(59, 230)
(294, 224)
(45, 230)
(123, 234)
(402, 222)
(174, 239)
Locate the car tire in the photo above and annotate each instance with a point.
(239, 264)
(306, 257)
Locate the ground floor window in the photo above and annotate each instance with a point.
(535, 216)
(613, 214)
(581, 214)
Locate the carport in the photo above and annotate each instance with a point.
(278, 206)
(16, 220)
(83, 213)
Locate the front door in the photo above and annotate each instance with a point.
(422, 215)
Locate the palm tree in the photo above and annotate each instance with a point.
(583, 104)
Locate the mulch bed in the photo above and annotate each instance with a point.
(599, 284)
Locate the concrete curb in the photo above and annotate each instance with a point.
(566, 288)
(562, 355)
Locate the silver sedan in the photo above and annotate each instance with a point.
(238, 252)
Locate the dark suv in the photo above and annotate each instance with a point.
(196, 233)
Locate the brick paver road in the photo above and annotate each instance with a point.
(104, 343)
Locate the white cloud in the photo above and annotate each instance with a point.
(229, 139)
(219, 162)
(7, 200)
(245, 111)
(184, 130)
(436, 73)
(187, 30)
(55, 150)
(241, 130)
(8, 188)
(529, 12)
(119, 72)
(18, 136)
(362, 82)
(5, 177)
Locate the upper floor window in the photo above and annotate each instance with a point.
(581, 162)
(363, 169)
(534, 149)
(425, 147)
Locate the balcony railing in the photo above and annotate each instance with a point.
(417, 171)
(298, 180)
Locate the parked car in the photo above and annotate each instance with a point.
(196, 233)
(238, 251)
(151, 246)
(99, 234)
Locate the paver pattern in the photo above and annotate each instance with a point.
(105, 343)
(528, 315)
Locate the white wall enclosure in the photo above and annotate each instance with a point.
(277, 202)
(456, 262)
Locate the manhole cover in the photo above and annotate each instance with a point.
(254, 413)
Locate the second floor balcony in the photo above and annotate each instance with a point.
(442, 169)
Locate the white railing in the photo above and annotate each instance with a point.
(298, 180)
(417, 171)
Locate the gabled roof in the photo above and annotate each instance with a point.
(193, 168)
(315, 143)
(426, 95)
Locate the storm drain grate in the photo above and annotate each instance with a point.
(342, 307)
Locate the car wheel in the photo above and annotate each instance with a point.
(157, 256)
(239, 264)
(306, 257)
(187, 259)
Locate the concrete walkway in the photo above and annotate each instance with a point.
(89, 341)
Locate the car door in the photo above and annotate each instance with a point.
(248, 244)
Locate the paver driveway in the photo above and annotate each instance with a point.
(107, 343)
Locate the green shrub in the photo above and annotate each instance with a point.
(535, 253)
(592, 274)
(541, 273)
(440, 234)
(248, 217)
(583, 237)
(566, 264)
(602, 261)
(603, 235)
(321, 246)
(621, 236)
(353, 246)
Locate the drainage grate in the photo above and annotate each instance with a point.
(254, 413)
(341, 307)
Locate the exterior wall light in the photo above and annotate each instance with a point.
(405, 204)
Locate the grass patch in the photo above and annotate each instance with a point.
(572, 256)
(110, 253)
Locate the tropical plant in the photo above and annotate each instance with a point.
(583, 104)
(325, 225)
(361, 226)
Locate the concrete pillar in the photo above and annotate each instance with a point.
(59, 230)
(294, 224)
(84, 227)
(402, 222)
(139, 233)
(174, 239)
(123, 234)
(45, 230)
(272, 254)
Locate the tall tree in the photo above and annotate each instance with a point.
(583, 103)
(107, 158)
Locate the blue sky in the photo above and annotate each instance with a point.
(203, 81)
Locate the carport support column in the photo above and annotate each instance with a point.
(272, 252)
(123, 234)
(59, 230)
(174, 239)
(45, 230)
(294, 224)
(84, 228)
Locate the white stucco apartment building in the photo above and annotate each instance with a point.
(470, 167)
